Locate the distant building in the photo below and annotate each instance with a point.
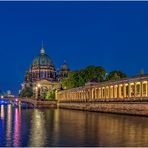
(43, 76)
(9, 94)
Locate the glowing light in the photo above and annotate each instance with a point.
(39, 85)
(17, 127)
(2, 112)
(2, 97)
(9, 124)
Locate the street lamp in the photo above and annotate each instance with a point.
(38, 90)
(39, 85)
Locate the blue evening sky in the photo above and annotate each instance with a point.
(111, 34)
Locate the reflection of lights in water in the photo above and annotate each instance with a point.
(17, 127)
(9, 126)
(38, 131)
(56, 126)
(2, 112)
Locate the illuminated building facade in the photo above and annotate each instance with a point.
(135, 88)
(42, 75)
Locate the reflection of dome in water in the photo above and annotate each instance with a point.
(42, 60)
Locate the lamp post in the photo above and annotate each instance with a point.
(38, 91)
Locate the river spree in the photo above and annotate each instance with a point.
(59, 127)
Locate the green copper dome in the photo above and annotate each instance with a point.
(42, 59)
(64, 66)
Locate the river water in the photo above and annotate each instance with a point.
(60, 127)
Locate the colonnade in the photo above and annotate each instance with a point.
(131, 89)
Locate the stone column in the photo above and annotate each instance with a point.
(81, 95)
(141, 89)
(106, 92)
(86, 93)
(124, 90)
(135, 93)
(111, 91)
(100, 93)
(92, 93)
(129, 88)
(119, 91)
(96, 93)
(147, 88)
(103, 92)
(115, 91)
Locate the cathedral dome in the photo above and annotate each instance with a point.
(64, 66)
(42, 59)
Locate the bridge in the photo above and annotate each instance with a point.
(31, 102)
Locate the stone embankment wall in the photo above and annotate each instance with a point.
(133, 108)
(46, 104)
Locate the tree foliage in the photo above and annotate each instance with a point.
(26, 92)
(79, 78)
(116, 75)
(50, 95)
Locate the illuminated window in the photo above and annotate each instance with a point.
(132, 90)
(127, 90)
(138, 89)
(144, 89)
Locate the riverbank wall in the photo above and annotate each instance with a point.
(124, 96)
(46, 104)
(32, 102)
(132, 108)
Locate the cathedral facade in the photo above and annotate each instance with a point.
(43, 76)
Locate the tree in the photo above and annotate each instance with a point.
(116, 75)
(50, 95)
(80, 77)
(26, 92)
(43, 95)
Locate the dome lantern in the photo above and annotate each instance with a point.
(42, 49)
(42, 59)
(64, 66)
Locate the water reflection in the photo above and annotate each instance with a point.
(9, 125)
(2, 112)
(17, 128)
(34, 127)
(38, 131)
(96, 129)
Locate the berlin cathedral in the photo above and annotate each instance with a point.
(43, 76)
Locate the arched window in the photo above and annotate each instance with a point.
(127, 90)
(42, 75)
(132, 90)
(51, 74)
(144, 89)
(138, 90)
(103, 92)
